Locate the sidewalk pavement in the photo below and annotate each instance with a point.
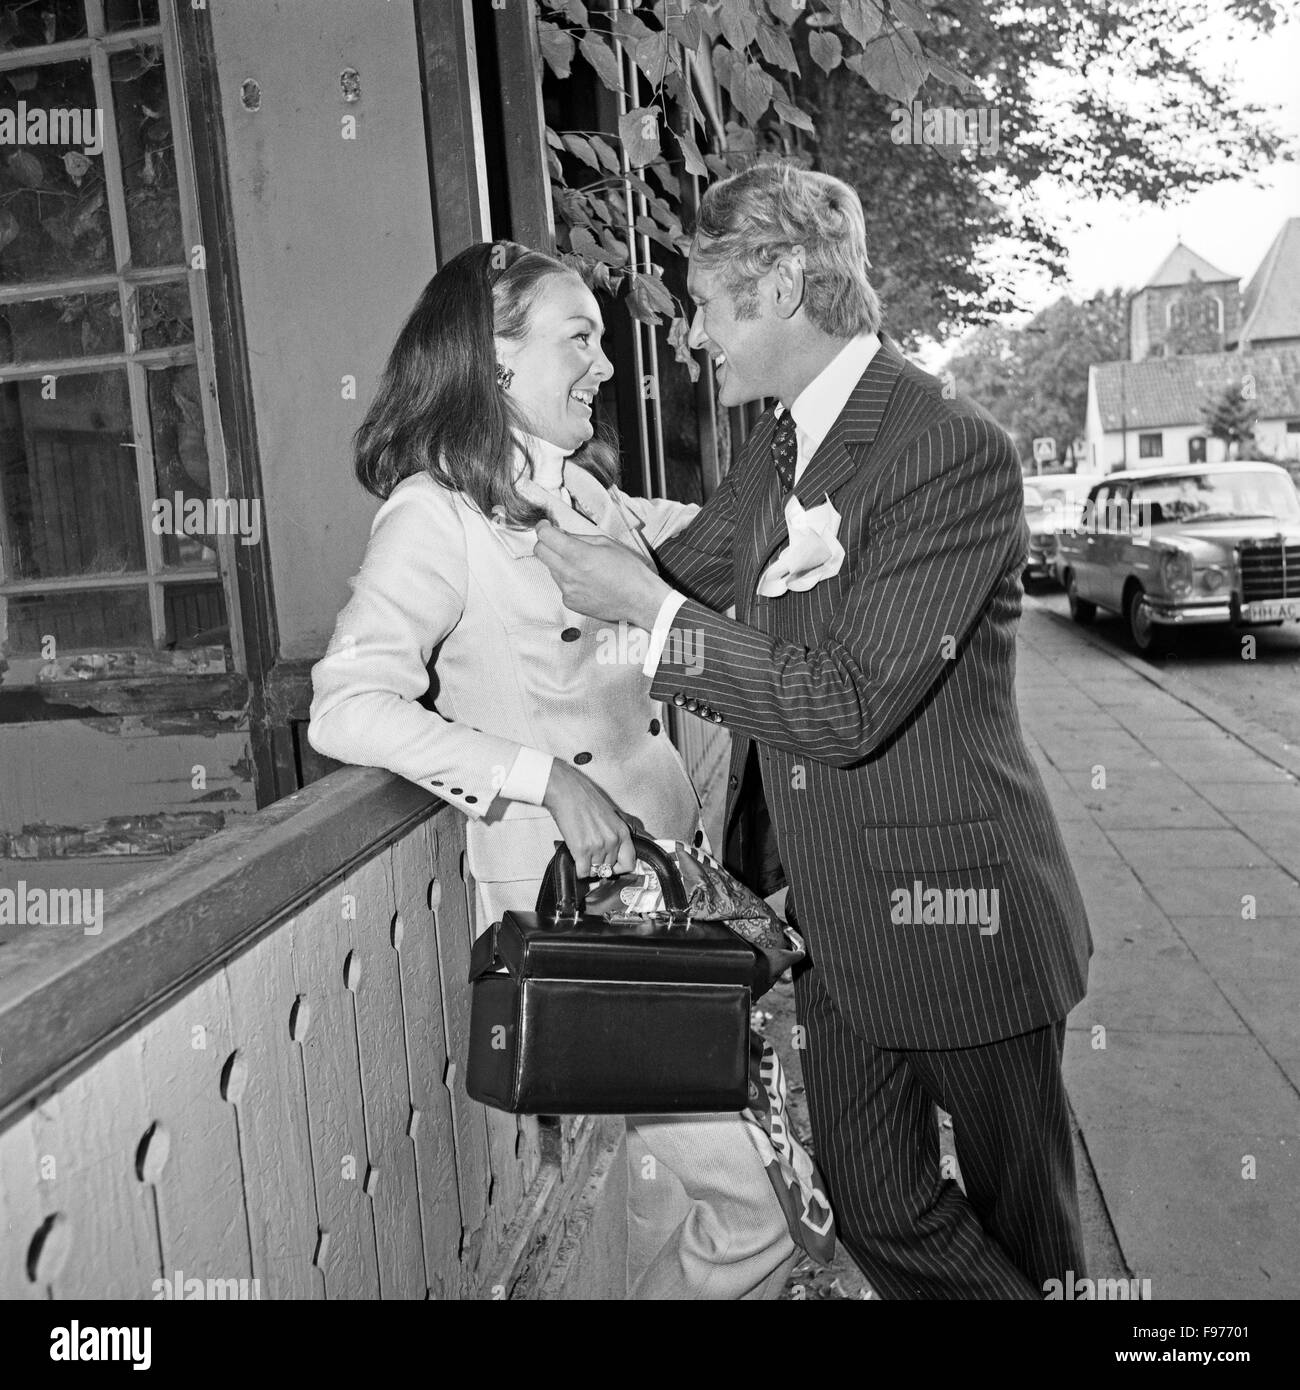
(1183, 1062)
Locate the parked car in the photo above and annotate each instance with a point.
(1170, 548)
(1052, 503)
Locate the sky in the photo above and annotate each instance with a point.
(1120, 243)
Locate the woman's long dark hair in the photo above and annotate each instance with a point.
(439, 408)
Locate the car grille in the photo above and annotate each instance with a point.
(1270, 569)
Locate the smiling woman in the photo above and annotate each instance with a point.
(481, 428)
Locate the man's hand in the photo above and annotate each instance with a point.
(600, 577)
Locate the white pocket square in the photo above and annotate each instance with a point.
(813, 553)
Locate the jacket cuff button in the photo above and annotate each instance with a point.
(679, 699)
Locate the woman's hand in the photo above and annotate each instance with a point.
(594, 829)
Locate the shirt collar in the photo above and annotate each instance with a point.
(821, 402)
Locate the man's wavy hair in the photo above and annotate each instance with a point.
(439, 409)
(750, 219)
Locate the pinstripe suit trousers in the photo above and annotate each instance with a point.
(911, 1230)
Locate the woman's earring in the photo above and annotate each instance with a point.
(505, 375)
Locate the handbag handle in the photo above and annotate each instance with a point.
(559, 901)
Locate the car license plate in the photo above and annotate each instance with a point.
(1270, 610)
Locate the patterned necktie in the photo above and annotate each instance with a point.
(785, 450)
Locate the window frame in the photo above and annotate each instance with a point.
(97, 47)
(1143, 440)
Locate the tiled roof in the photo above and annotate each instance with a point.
(1177, 267)
(1270, 306)
(1175, 390)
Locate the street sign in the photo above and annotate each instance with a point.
(1045, 449)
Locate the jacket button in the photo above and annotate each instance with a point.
(581, 758)
(699, 838)
(655, 726)
(692, 705)
(471, 799)
(433, 782)
(679, 699)
(570, 634)
(456, 791)
(715, 716)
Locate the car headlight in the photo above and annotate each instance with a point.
(1212, 579)
(1176, 571)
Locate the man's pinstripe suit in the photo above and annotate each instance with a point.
(876, 715)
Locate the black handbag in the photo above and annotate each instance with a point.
(577, 1014)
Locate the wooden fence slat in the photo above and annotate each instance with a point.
(22, 1209)
(275, 1146)
(92, 1128)
(474, 1174)
(426, 1052)
(201, 1215)
(346, 1248)
(385, 1087)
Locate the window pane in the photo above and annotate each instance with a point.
(129, 14)
(69, 500)
(76, 325)
(53, 216)
(144, 132)
(196, 615)
(180, 455)
(27, 26)
(164, 315)
(86, 621)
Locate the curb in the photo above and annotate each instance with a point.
(1265, 742)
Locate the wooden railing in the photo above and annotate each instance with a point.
(251, 1074)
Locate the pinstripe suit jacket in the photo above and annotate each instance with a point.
(882, 703)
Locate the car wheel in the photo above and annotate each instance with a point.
(1148, 637)
(1081, 610)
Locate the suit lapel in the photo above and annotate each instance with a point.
(835, 462)
(599, 516)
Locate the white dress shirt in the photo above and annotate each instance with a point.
(815, 410)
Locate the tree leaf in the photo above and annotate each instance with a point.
(584, 242)
(616, 247)
(753, 92)
(679, 332)
(672, 185)
(687, 30)
(691, 154)
(910, 14)
(579, 145)
(893, 64)
(557, 47)
(776, 48)
(951, 76)
(647, 226)
(789, 12)
(639, 305)
(794, 116)
(656, 293)
(739, 23)
(639, 132)
(553, 165)
(606, 154)
(26, 169)
(601, 57)
(826, 49)
(576, 11)
(863, 19)
(655, 56)
(553, 140)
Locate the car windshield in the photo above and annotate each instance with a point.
(1226, 496)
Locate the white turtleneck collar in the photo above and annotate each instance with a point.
(548, 460)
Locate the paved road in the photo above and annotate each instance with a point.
(1264, 688)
